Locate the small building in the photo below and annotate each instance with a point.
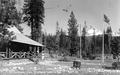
(21, 46)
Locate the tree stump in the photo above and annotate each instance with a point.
(76, 64)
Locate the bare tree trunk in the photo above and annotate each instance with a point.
(32, 31)
(109, 43)
(118, 58)
(39, 37)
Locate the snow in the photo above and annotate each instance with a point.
(93, 31)
(115, 34)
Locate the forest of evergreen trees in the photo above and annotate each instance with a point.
(63, 42)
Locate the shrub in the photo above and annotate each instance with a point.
(67, 59)
(116, 65)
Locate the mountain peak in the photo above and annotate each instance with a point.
(93, 31)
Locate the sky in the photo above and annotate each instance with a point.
(91, 11)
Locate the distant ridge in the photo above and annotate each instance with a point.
(94, 31)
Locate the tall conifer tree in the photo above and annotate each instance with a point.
(34, 15)
(73, 33)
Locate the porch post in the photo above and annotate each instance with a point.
(7, 52)
(38, 50)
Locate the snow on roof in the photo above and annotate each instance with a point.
(22, 38)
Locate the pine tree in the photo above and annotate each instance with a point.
(57, 36)
(64, 43)
(98, 44)
(84, 41)
(115, 47)
(109, 37)
(44, 36)
(5, 37)
(62, 39)
(34, 15)
(9, 14)
(73, 33)
(93, 43)
(50, 42)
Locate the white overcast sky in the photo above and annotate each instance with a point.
(90, 11)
